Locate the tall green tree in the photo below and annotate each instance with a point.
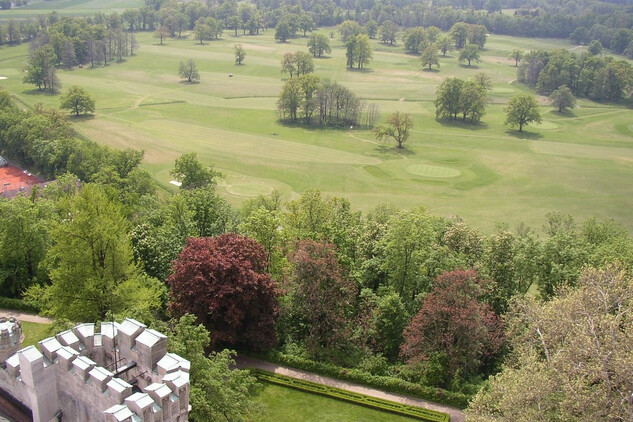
(218, 391)
(282, 31)
(522, 109)
(516, 55)
(240, 53)
(349, 29)
(388, 32)
(189, 71)
(407, 245)
(24, 241)
(444, 43)
(430, 57)
(358, 50)
(398, 127)
(472, 101)
(562, 98)
(447, 100)
(78, 100)
(40, 70)
(91, 264)
(470, 53)
(318, 44)
(192, 173)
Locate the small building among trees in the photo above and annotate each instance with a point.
(3, 162)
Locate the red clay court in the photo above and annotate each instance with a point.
(13, 178)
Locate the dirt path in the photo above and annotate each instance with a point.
(246, 362)
(25, 317)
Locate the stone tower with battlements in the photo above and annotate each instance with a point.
(121, 374)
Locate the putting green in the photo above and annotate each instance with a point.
(432, 171)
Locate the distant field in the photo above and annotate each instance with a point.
(579, 163)
(286, 404)
(69, 7)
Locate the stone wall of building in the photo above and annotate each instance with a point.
(121, 374)
(10, 337)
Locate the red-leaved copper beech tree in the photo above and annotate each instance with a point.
(223, 282)
(455, 323)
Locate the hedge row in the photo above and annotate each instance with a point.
(356, 398)
(392, 384)
(17, 305)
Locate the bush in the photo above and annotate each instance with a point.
(352, 397)
(17, 305)
(387, 383)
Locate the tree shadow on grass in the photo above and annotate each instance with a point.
(363, 70)
(524, 135)
(460, 124)
(40, 92)
(432, 70)
(186, 82)
(564, 113)
(389, 148)
(472, 66)
(82, 117)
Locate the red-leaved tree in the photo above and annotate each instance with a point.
(454, 322)
(321, 295)
(223, 282)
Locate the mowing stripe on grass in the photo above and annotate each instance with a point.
(349, 396)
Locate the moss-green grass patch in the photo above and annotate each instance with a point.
(426, 170)
(34, 332)
(545, 124)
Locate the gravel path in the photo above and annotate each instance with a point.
(247, 362)
(24, 316)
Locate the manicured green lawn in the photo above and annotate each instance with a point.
(286, 404)
(579, 162)
(34, 332)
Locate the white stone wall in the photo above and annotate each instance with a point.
(73, 373)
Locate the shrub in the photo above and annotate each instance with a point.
(17, 305)
(386, 383)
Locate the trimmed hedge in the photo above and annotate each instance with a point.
(356, 398)
(17, 305)
(391, 384)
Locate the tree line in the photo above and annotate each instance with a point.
(606, 22)
(586, 75)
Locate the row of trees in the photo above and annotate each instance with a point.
(322, 102)
(457, 98)
(586, 75)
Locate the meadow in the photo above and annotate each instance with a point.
(579, 162)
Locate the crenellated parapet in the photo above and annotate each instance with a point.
(10, 337)
(122, 373)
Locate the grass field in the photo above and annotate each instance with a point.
(68, 8)
(286, 404)
(579, 162)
